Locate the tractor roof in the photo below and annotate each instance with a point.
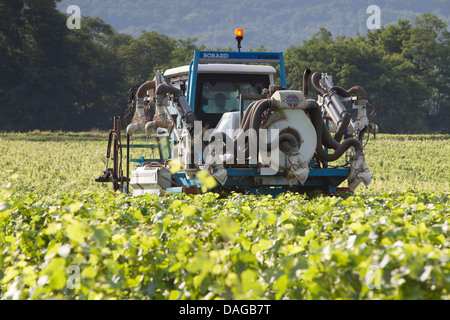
(222, 68)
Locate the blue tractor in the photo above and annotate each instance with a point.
(223, 116)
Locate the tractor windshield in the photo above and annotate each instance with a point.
(220, 93)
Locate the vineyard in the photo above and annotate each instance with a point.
(63, 236)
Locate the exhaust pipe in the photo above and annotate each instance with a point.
(306, 75)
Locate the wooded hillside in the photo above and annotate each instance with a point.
(276, 24)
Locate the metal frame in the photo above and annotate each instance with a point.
(325, 179)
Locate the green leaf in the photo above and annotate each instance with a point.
(133, 282)
(88, 272)
(74, 231)
(281, 284)
(112, 265)
(9, 274)
(101, 236)
(174, 295)
(251, 288)
(285, 215)
(138, 215)
(438, 239)
(74, 207)
(261, 245)
(29, 276)
(56, 272)
(175, 267)
(52, 228)
(188, 211)
(291, 249)
(357, 227)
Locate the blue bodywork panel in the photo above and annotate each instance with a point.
(250, 180)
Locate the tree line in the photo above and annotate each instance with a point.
(404, 69)
(53, 78)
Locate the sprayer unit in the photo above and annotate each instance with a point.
(224, 114)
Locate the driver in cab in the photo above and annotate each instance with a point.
(218, 106)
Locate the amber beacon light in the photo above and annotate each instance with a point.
(239, 33)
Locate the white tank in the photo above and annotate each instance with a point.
(291, 118)
(229, 123)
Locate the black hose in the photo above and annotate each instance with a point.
(345, 115)
(248, 112)
(255, 120)
(342, 127)
(327, 140)
(315, 81)
(250, 120)
(317, 121)
(353, 91)
(294, 145)
(245, 125)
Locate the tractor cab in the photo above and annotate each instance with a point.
(222, 88)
